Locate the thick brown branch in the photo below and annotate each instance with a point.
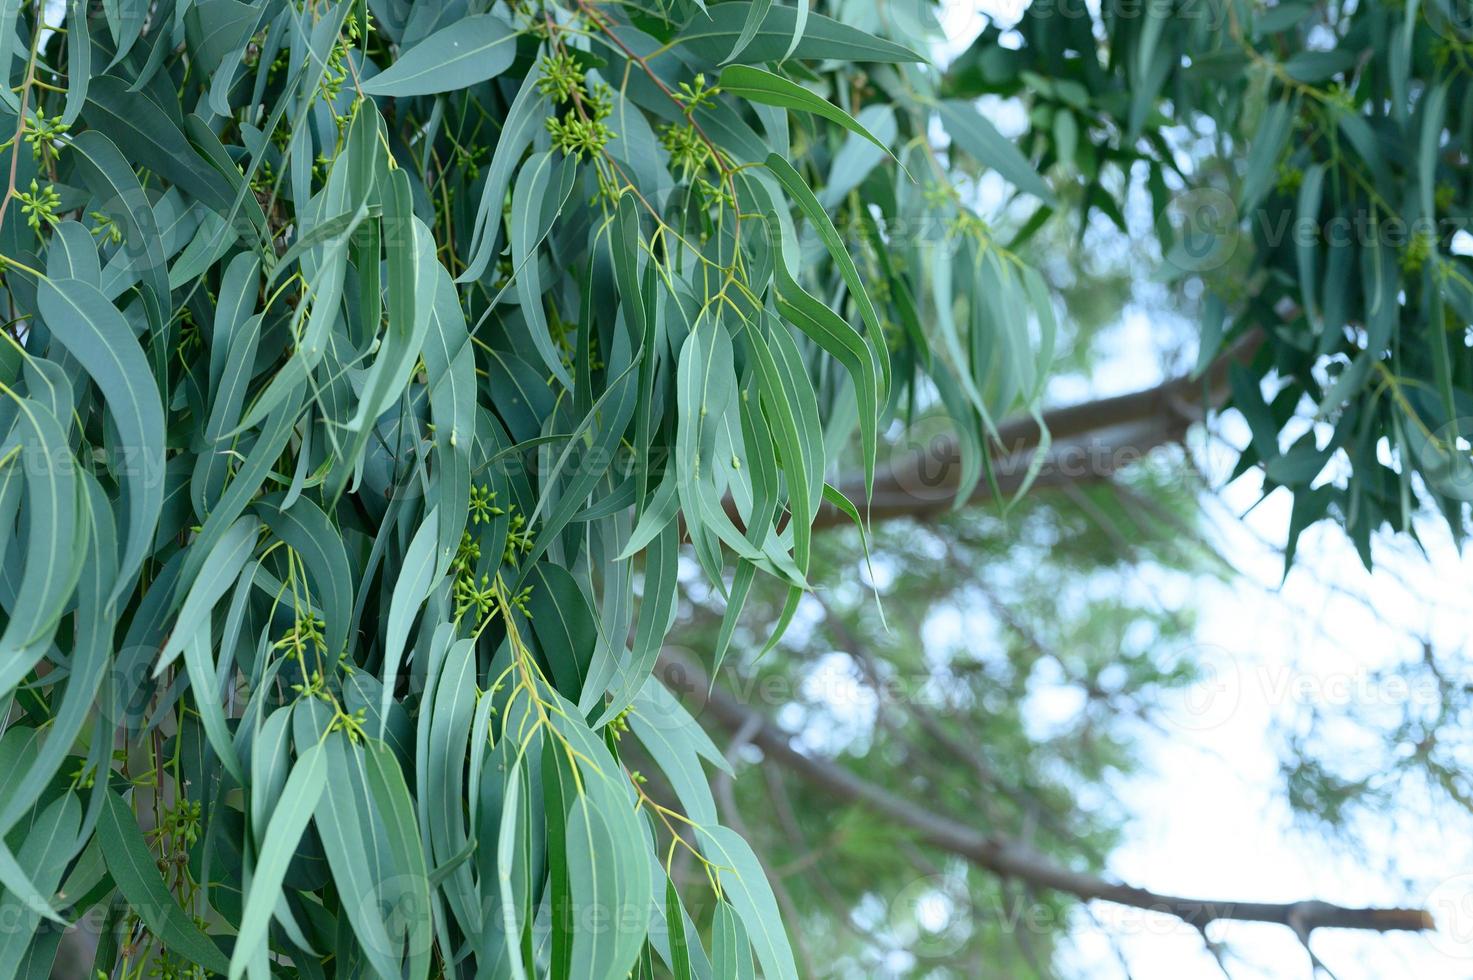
(1010, 858)
(1090, 441)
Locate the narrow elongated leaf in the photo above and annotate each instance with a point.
(226, 560)
(345, 824)
(200, 666)
(536, 203)
(55, 533)
(564, 625)
(762, 86)
(295, 806)
(746, 888)
(151, 137)
(523, 120)
(408, 892)
(136, 872)
(756, 14)
(416, 577)
(712, 34)
(95, 333)
(981, 141)
(1263, 159)
(471, 50)
(49, 843)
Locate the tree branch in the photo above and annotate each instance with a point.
(1011, 858)
(1090, 441)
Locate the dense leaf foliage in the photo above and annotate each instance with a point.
(370, 364)
(368, 367)
(1308, 165)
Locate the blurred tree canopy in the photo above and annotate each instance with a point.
(384, 380)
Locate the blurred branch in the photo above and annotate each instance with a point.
(1013, 859)
(1089, 441)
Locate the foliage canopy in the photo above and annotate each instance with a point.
(369, 365)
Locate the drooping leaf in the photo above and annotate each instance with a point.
(762, 86)
(471, 50)
(294, 808)
(980, 139)
(136, 872)
(95, 333)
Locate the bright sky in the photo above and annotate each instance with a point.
(1210, 818)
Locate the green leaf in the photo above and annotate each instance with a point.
(79, 60)
(509, 842)
(411, 287)
(200, 666)
(1307, 246)
(472, 50)
(95, 333)
(295, 806)
(452, 715)
(308, 532)
(756, 14)
(564, 625)
(150, 136)
(792, 411)
(134, 867)
(523, 122)
(745, 886)
(55, 535)
(49, 844)
(535, 206)
(226, 559)
(107, 174)
(680, 958)
(857, 158)
(712, 35)
(91, 649)
(975, 135)
(17, 882)
(606, 849)
(731, 951)
(1263, 160)
(408, 892)
(346, 825)
(416, 577)
(1434, 109)
(757, 85)
(866, 362)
